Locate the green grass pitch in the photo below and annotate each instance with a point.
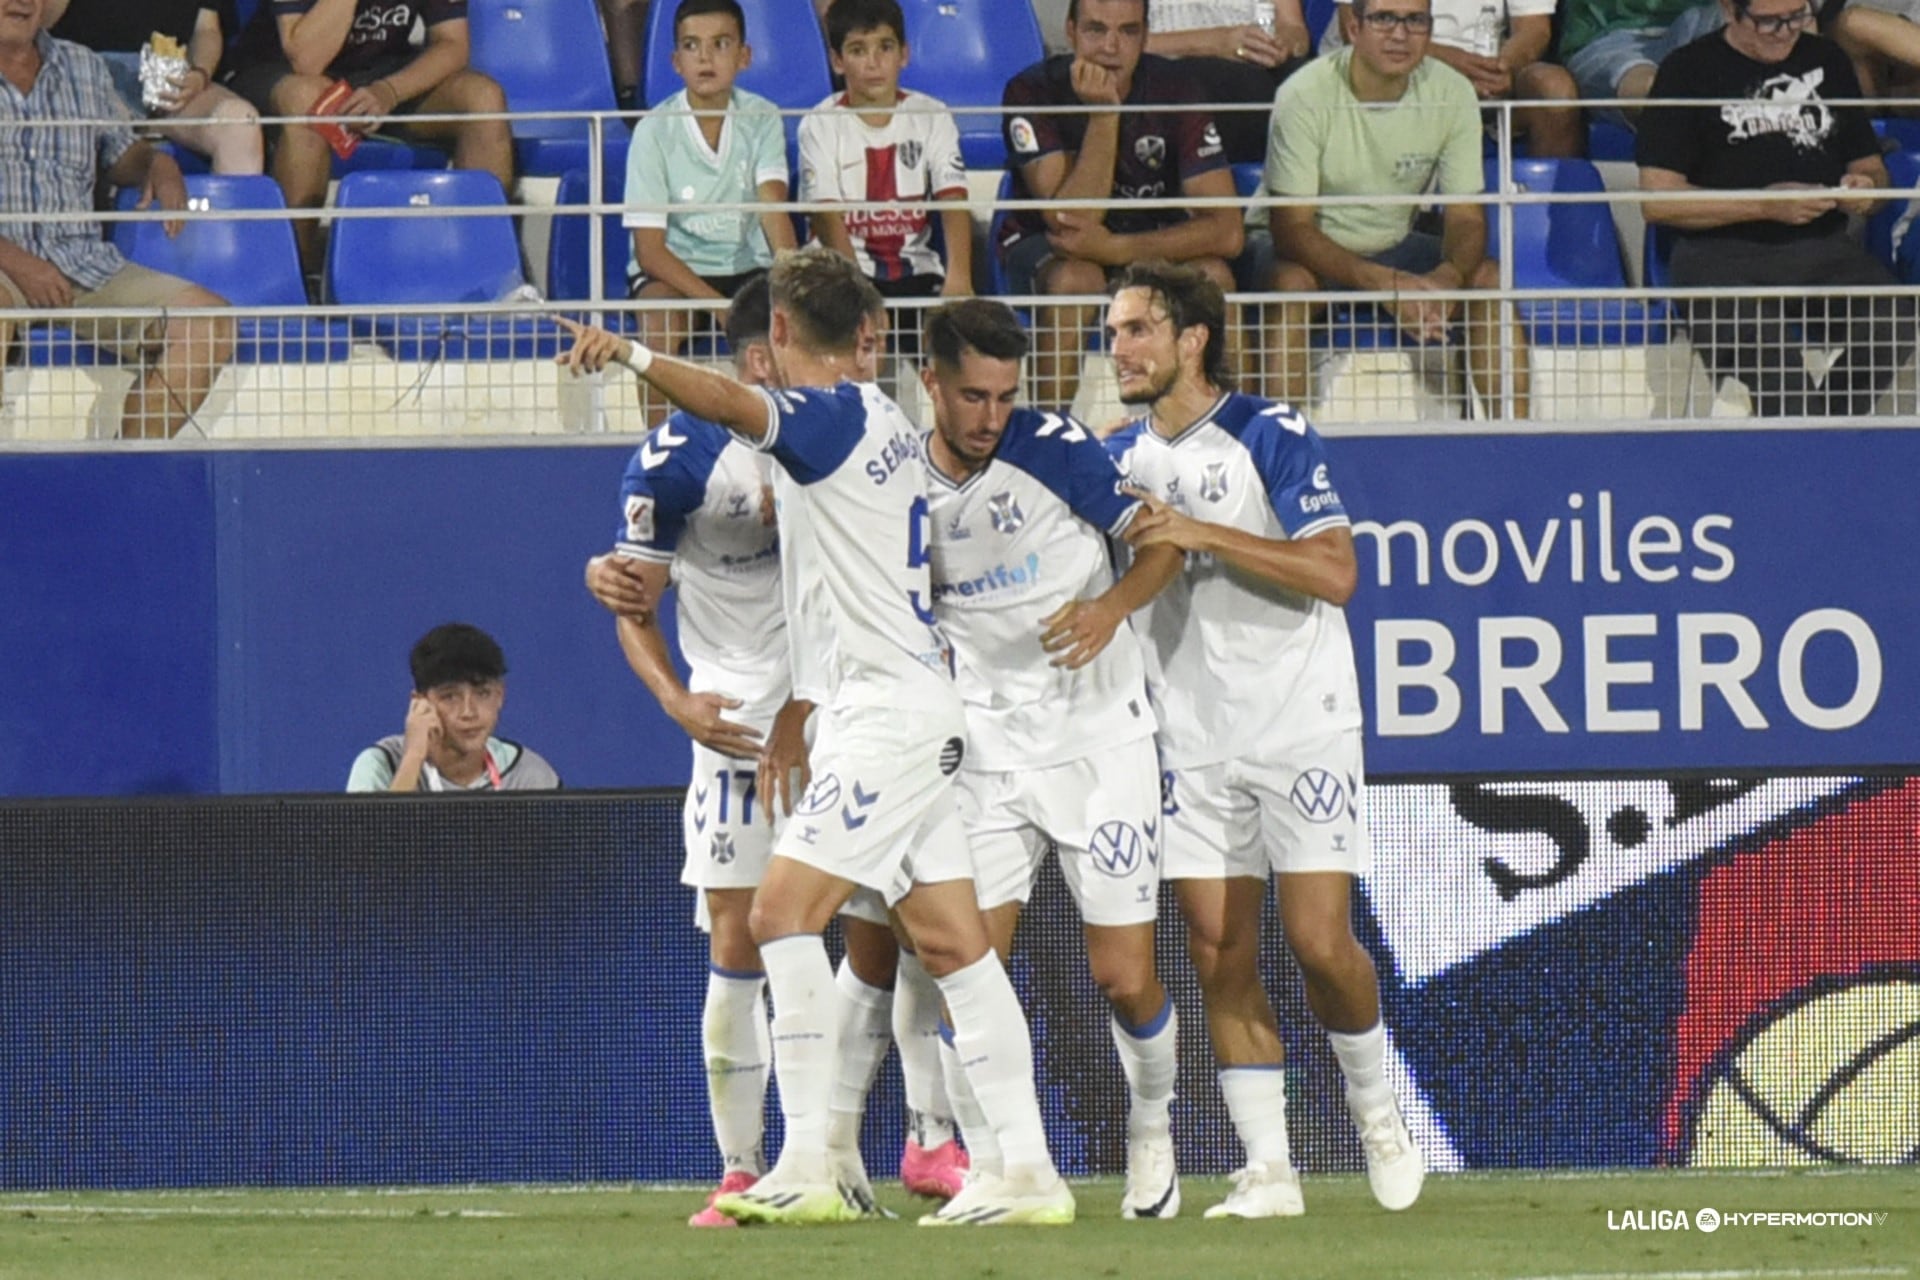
(1465, 1226)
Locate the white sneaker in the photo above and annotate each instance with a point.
(1395, 1167)
(991, 1200)
(1153, 1183)
(1262, 1191)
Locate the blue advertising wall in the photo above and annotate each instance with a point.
(1651, 904)
(239, 622)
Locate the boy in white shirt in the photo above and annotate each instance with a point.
(877, 148)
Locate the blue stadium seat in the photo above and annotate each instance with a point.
(1903, 172)
(250, 263)
(375, 262)
(1318, 14)
(789, 55)
(1656, 266)
(1570, 246)
(382, 154)
(963, 53)
(549, 55)
(568, 257)
(1609, 140)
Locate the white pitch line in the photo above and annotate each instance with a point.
(1784, 1273)
(236, 1211)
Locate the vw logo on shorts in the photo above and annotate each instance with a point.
(1117, 849)
(822, 794)
(1319, 796)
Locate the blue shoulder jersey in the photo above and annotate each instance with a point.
(1242, 668)
(694, 498)
(1011, 544)
(853, 512)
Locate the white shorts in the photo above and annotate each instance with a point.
(723, 823)
(1101, 812)
(1304, 811)
(881, 810)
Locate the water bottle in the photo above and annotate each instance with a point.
(1486, 31)
(1263, 15)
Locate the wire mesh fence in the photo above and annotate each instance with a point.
(369, 361)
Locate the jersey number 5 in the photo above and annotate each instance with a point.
(919, 533)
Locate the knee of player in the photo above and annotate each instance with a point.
(1128, 986)
(1323, 952)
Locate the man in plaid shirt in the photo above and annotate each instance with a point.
(51, 170)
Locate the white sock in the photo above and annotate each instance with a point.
(996, 1053)
(916, 1029)
(1257, 1102)
(1363, 1061)
(865, 1030)
(805, 1009)
(1149, 1057)
(735, 1043)
(983, 1151)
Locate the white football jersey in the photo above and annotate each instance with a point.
(1241, 668)
(854, 521)
(694, 497)
(1011, 544)
(915, 156)
(809, 615)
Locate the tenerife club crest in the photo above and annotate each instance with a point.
(1213, 482)
(1004, 510)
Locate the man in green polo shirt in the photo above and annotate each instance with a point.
(1380, 118)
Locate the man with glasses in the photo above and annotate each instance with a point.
(1380, 118)
(1788, 127)
(1501, 46)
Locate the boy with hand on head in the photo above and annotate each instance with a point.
(709, 146)
(878, 147)
(459, 686)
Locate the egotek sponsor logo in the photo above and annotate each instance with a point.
(1709, 1219)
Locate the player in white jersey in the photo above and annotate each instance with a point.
(1059, 730)
(880, 812)
(1259, 720)
(696, 504)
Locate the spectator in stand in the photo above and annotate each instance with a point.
(875, 147)
(708, 146)
(1240, 50)
(48, 265)
(1107, 153)
(626, 22)
(1500, 46)
(198, 114)
(1881, 38)
(1790, 129)
(295, 50)
(459, 686)
(1613, 47)
(1381, 118)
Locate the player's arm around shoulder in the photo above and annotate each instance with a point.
(1316, 556)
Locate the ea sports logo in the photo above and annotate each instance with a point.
(1831, 1074)
(1319, 796)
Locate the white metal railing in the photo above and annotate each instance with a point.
(432, 372)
